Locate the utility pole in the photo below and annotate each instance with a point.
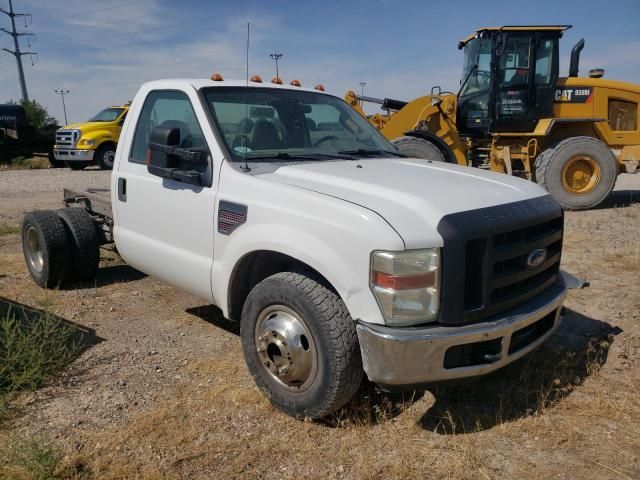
(276, 57)
(16, 52)
(362, 84)
(62, 93)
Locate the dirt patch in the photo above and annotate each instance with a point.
(165, 394)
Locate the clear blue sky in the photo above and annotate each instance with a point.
(102, 50)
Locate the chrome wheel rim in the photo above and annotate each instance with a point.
(34, 250)
(109, 157)
(286, 348)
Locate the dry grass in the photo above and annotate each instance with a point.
(26, 163)
(9, 230)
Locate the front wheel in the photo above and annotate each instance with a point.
(300, 345)
(578, 172)
(105, 156)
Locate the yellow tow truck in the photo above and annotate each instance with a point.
(94, 142)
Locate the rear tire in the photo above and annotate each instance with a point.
(300, 345)
(578, 172)
(77, 165)
(105, 156)
(85, 247)
(418, 148)
(46, 248)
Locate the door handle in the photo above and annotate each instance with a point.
(122, 189)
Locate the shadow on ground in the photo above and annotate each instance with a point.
(537, 381)
(213, 315)
(620, 198)
(109, 275)
(83, 337)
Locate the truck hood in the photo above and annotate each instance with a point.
(87, 126)
(411, 195)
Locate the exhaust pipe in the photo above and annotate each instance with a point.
(575, 58)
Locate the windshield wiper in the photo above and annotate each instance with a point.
(370, 152)
(299, 156)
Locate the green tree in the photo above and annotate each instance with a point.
(37, 115)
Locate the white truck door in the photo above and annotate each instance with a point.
(165, 227)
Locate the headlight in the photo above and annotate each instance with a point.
(88, 143)
(407, 285)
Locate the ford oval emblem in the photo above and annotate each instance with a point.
(536, 258)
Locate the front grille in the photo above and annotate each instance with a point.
(66, 138)
(485, 258)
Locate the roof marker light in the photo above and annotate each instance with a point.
(319, 87)
(216, 77)
(296, 83)
(256, 78)
(276, 80)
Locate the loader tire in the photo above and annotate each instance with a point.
(578, 172)
(300, 345)
(85, 247)
(418, 148)
(46, 247)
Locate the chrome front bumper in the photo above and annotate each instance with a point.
(396, 357)
(69, 155)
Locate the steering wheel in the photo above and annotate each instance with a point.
(326, 138)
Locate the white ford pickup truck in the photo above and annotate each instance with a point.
(338, 256)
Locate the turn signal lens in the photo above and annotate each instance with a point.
(406, 285)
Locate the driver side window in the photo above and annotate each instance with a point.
(164, 108)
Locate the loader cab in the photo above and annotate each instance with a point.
(508, 79)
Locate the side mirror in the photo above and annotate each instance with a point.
(167, 160)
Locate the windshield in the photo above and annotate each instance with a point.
(477, 66)
(273, 124)
(107, 115)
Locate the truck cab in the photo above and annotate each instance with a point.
(338, 256)
(93, 142)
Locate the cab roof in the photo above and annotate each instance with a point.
(515, 28)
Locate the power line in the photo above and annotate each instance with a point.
(16, 45)
(106, 9)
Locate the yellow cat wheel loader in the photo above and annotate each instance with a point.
(514, 114)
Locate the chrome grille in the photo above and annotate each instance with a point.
(486, 264)
(67, 138)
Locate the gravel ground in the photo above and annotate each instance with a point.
(162, 391)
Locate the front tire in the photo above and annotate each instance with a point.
(578, 172)
(418, 148)
(105, 156)
(300, 345)
(46, 248)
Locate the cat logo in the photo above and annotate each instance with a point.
(573, 95)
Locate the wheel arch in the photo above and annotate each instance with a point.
(254, 267)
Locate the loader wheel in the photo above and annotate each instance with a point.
(105, 156)
(85, 248)
(418, 148)
(300, 345)
(46, 248)
(579, 172)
